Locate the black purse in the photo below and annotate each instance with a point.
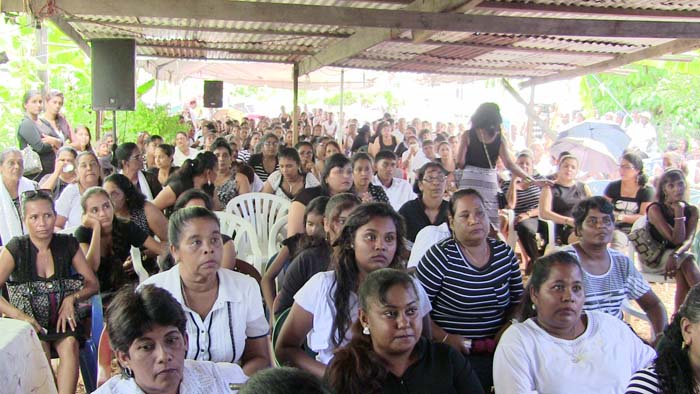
(40, 298)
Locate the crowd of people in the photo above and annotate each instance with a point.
(397, 274)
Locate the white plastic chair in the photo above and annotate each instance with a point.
(137, 261)
(246, 239)
(551, 246)
(262, 210)
(278, 233)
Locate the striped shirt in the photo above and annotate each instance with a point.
(467, 300)
(606, 292)
(645, 381)
(525, 199)
(256, 161)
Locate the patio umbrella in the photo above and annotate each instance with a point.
(593, 156)
(609, 134)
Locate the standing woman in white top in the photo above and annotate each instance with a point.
(225, 318)
(559, 349)
(326, 307)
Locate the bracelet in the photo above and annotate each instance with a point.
(445, 338)
(680, 218)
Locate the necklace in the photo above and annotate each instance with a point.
(575, 352)
(184, 293)
(471, 256)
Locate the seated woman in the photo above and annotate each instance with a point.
(106, 241)
(226, 322)
(130, 204)
(310, 261)
(560, 349)
(289, 180)
(314, 236)
(609, 276)
(325, 308)
(473, 283)
(183, 151)
(672, 223)
(523, 198)
(265, 163)
(63, 173)
(336, 178)
(630, 196)
(677, 365)
(129, 160)
(163, 157)
(387, 353)
(197, 173)
(558, 200)
(383, 139)
(428, 208)
(249, 144)
(362, 173)
(12, 186)
(198, 198)
(147, 332)
(44, 256)
(229, 182)
(68, 208)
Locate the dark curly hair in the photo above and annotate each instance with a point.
(357, 368)
(347, 273)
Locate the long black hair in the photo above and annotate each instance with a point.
(638, 165)
(192, 168)
(672, 363)
(357, 368)
(347, 273)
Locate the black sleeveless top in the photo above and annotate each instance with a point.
(476, 156)
(669, 218)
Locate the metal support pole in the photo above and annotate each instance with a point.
(295, 113)
(341, 116)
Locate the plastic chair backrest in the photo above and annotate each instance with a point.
(137, 261)
(246, 240)
(88, 353)
(262, 210)
(278, 233)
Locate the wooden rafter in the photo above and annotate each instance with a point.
(588, 10)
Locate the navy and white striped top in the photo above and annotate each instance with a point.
(606, 292)
(466, 300)
(644, 381)
(525, 199)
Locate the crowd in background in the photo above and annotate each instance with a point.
(399, 276)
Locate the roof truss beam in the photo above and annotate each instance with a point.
(228, 50)
(272, 32)
(587, 10)
(675, 46)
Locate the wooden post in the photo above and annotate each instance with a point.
(340, 136)
(295, 114)
(42, 53)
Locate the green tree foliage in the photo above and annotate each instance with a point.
(666, 89)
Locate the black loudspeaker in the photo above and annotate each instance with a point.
(213, 94)
(113, 74)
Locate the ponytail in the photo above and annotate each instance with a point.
(642, 178)
(356, 368)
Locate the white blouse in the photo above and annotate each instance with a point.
(275, 180)
(198, 377)
(237, 315)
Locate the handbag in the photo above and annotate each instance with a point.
(39, 298)
(648, 248)
(500, 196)
(31, 160)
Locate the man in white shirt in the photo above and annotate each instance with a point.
(330, 125)
(643, 134)
(398, 190)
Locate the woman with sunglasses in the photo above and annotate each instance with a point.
(12, 185)
(39, 256)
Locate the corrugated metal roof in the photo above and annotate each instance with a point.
(442, 52)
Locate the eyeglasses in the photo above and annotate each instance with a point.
(434, 179)
(269, 143)
(626, 167)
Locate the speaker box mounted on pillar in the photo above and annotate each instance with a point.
(113, 74)
(213, 94)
